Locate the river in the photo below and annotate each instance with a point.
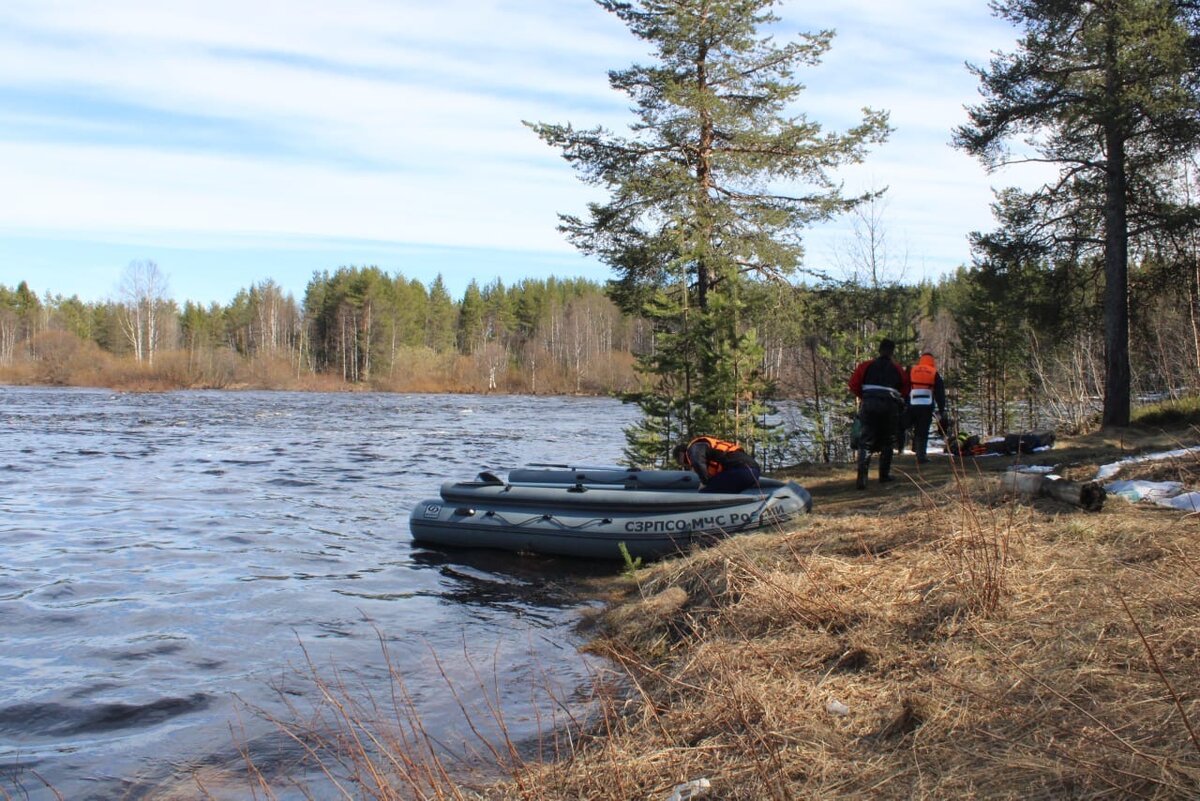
(172, 564)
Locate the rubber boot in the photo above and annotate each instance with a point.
(920, 446)
(885, 467)
(864, 467)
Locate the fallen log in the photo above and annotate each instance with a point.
(1087, 495)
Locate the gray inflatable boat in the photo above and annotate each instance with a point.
(589, 512)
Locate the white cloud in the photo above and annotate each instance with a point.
(399, 120)
(90, 188)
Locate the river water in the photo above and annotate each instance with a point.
(176, 568)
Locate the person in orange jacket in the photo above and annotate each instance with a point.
(881, 385)
(722, 466)
(926, 390)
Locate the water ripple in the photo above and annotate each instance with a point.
(162, 555)
(48, 720)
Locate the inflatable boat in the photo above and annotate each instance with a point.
(592, 512)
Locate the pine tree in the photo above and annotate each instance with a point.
(712, 188)
(1109, 92)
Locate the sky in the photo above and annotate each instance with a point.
(235, 141)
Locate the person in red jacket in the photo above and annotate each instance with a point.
(927, 390)
(881, 386)
(722, 466)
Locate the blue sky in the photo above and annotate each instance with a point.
(234, 142)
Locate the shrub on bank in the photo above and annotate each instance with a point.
(1169, 413)
(63, 359)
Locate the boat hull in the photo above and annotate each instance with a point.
(593, 520)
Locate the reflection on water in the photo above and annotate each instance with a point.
(167, 558)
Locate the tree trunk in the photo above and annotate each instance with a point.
(151, 329)
(366, 337)
(1116, 270)
(1194, 309)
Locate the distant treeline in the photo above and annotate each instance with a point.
(355, 327)
(1017, 347)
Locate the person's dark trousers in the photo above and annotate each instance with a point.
(902, 429)
(881, 419)
(733, 479)
(921, 416)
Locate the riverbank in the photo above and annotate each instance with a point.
(926, 638)
(61, 360)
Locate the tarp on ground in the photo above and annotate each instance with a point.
(1163, 493)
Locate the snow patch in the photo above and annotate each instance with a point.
(1162, 493)
(1110, 470)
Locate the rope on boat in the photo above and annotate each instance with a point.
(549, 518)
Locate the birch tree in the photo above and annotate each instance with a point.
(144, 297)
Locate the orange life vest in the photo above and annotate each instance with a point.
(923, 373)
(923, 377)
(719, 450)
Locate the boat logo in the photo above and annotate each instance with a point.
(432, 510)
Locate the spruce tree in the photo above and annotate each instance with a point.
(712, 187)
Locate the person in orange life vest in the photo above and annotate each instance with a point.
(722, 466)
(927, 389)
(881, 385)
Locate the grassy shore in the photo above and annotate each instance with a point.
(928, 638)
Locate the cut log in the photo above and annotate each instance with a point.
(1027, 485)
(1086, 495)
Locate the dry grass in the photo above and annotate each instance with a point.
(984, 648)
(1040, 684)
(347, 742)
